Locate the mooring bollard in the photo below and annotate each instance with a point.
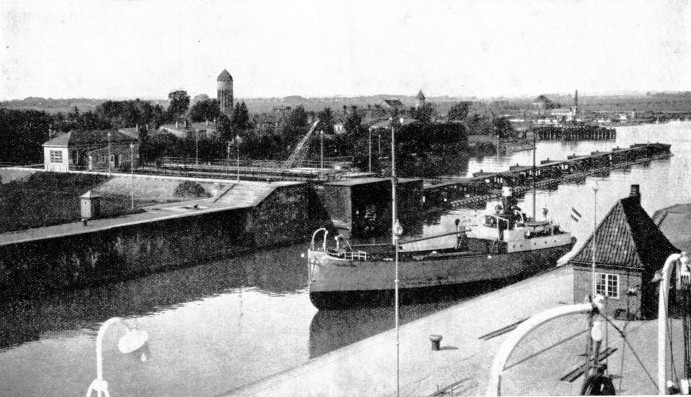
(436, 341)
(84, 221)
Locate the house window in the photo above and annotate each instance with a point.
(608, 285)
(56, 156)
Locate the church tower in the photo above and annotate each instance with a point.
(224, 93)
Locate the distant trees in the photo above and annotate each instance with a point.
(353, 123)
(179, 103)
(326, 121)
(22, 133)
(123, 114)
(205, 109)
(459, 111)
(424, 113)
(503, 128)
(241, 117)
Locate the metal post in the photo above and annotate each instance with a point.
(109, 134)
(662, 322)
(196, 146)
(237, 143)
(132, 171)
(228, 156)
(321, 152)
(595, 188)
(393, 183)
(397, 228)
(370, 149)
(535, 177)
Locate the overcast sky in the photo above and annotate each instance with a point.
(145, 49)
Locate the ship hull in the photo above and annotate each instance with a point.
(339, 283)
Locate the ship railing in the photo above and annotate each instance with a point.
(314, 236)
(356, 255)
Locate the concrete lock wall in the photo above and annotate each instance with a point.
(37, 266)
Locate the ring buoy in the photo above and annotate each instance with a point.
(598, 385)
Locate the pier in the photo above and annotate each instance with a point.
(484, 186)
(547, 363)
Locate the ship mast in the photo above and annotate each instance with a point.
(534, 175)
(393, 183)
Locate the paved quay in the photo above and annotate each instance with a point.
(368, 367)
(253, 193)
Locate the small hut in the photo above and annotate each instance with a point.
(629, 248)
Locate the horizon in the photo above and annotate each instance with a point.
(496, 49)
(581, 95)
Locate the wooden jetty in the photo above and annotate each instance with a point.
(483, 185)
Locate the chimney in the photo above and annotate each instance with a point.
(636, 192)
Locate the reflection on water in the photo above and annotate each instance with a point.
(333, 329)
(221, 325)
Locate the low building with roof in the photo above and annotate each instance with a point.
(392, 105)
(89, 150)
(629, 249)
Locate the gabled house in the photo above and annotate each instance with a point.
(392, 105)
(629, 248)
(89, 150)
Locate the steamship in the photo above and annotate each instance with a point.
(503, 245)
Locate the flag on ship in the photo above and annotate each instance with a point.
(575, 215)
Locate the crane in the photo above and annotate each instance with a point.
(301, 149)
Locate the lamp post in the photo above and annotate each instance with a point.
(370, 149)
(196, 146)
(227, 156)
(398, 230)
(321, 151)
(133, 341)
(109, 135)
(132, 171)
(594, 291)
(238, 140)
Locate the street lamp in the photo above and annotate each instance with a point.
(397, 231)
(132, 171)
(595, 188)
(227, 156)
(370, 149)
(134, 341)
(196, 146)
(321, 152)
(238, 141)
(109, 135)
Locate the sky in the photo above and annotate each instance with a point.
(318, 48)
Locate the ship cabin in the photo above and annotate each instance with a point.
(512, 227)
